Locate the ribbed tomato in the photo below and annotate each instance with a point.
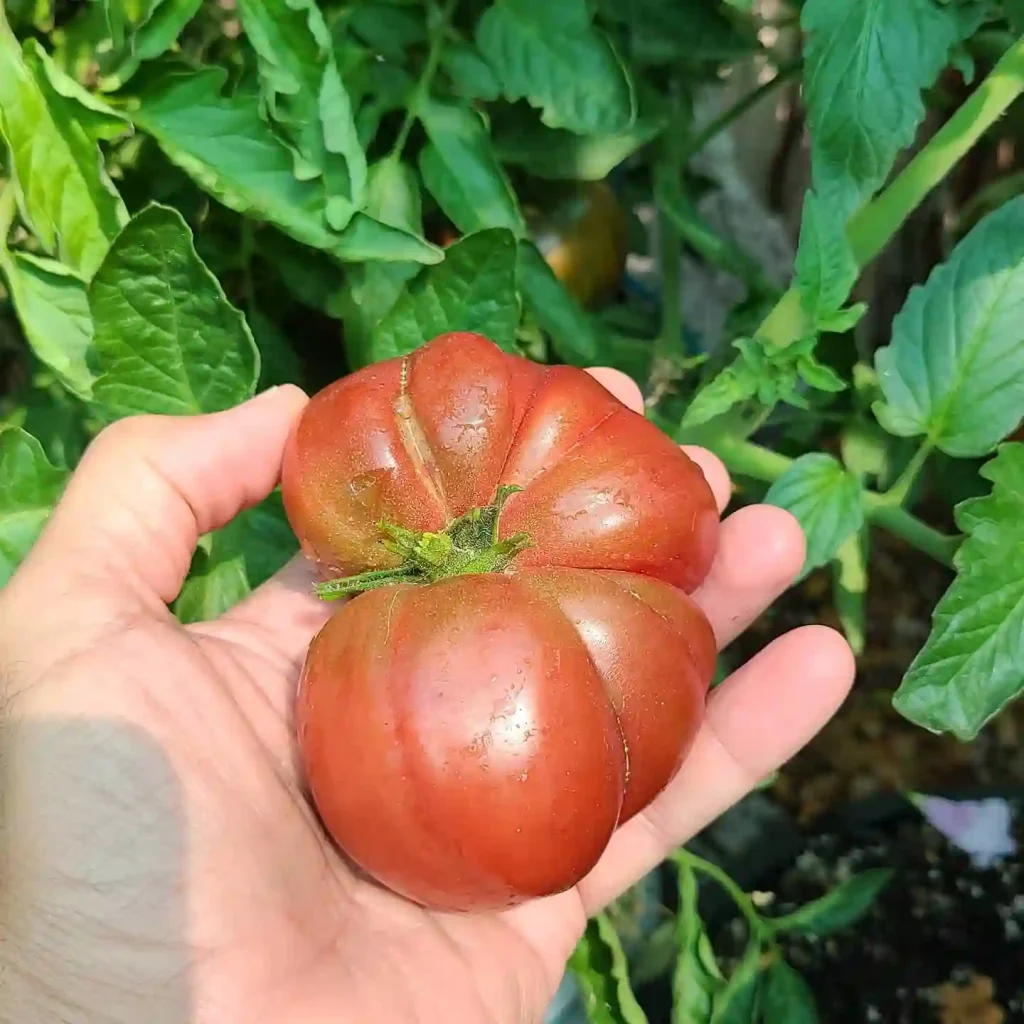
(523, 669)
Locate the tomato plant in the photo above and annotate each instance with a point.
(522, 670)
(206, 225)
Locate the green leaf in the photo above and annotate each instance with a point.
(559, 154)
(574, 335)
(728, 388)
(306, 99)
(29, 488)
(51, 306)
(826, 268)
(736, 1002)
(65, 195)
(235, 560)
(167, 340)
(227, 148)
(369, 239)
(599, 966)
(866, 64)
(666, 31)
(472, 290)
(697, 978)
(471, 76)
(150, 40)
(393, 195)
(972, 665)
(461, 172)
(53, 311)
(787, 998)
(368, 295)
(551, 55)
(838, 909)
(390, 28)
(954, 371)
(827, 501)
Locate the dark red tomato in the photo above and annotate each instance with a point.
(522, 675)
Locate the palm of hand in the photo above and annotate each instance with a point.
(192, 804)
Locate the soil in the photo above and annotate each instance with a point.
(943, 944)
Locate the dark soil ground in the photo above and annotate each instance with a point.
(944, 944)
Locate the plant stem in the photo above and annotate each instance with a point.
(897, 494)
(743, 902)
(877, 222)
(880, 220)
(438, 33)
(908, 527)
(746, 102)
(670, 246)
(748, 459)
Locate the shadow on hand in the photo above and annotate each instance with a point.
(93, 923)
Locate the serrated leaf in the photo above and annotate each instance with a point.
(787, 998)
(954, 370)
(729, 387)
(972, 664)
(461, 172)
(393, 195)
(552, 55)
(599, 965)
(574, 335)
(827, 501)
(472, 290)
(559, 154)
(29, 488)
(697, 978)
(65, 195)
(307, 100)
(826, 268)
(471, 76)
(842, 320)
(166, 338)
(235, 560)
(866, 64)
(226, 147)
(839, 908)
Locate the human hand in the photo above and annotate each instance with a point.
(160, 858)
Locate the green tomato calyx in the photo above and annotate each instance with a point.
(468, 545)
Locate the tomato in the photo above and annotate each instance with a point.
(523, 669)
(583, 235)
(585, 240)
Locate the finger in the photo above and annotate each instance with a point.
(149, 486)
(756, 721)
(621, 385)
(714, 472)
(760, 553)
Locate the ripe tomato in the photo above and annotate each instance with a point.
(524, 669)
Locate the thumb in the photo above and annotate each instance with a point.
(149, 486)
